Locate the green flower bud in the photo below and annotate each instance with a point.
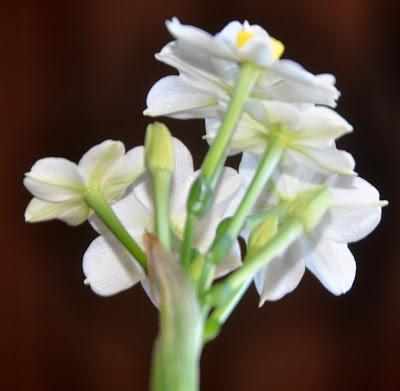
(200, 197)
(310, 206)
(262, 234)
(159, 149)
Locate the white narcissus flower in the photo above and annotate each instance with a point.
(310, 132)
(239, 42)
(58, 185)
(108, 266)
(355, 212)
(209, 67)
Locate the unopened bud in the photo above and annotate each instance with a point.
(159, 148)
(311, 206)
(262, 234)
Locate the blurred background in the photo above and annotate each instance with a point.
(73, 73)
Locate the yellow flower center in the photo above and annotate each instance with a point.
(277, 46)
(242, 37)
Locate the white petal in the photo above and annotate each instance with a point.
(71, 212)
(250, 134)
(228, 185)
(174, 97)
(228, 34)
(247, 167)
(153, 296)
(311, 125)
(294, 71)
(128, 168)
(199, 69)
(281, 112)
(198, 38)
(355, 212)
(327, 160)
(206, 227)
(227, 189)
(281, 276)
(326, 78)
(227, 73)
(270, 195)
(134, 214)
(98, 160)
(55, 180)
(229, 263)
(109, 268)
(302, 90)
(320, 126)
(257, 49)
(289, 181)
(182, 177)
(333, 264)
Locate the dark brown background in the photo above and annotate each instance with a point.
(74, 72)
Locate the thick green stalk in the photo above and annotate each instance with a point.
(201, 194)
(96, 200)
(161, 190)
(178, 346)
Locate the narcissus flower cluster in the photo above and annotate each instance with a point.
(296, 199)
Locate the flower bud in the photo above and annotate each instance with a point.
(159, 149)
(262, 234)
(310, 206)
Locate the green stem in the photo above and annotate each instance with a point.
(161, 190)
(218, 151)
(303, 215)
(223, 242)
(200, 198)
(253, 221)
(222, 312)
(96, 200)
(187, 240)
(264, 171)
(286, 235)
